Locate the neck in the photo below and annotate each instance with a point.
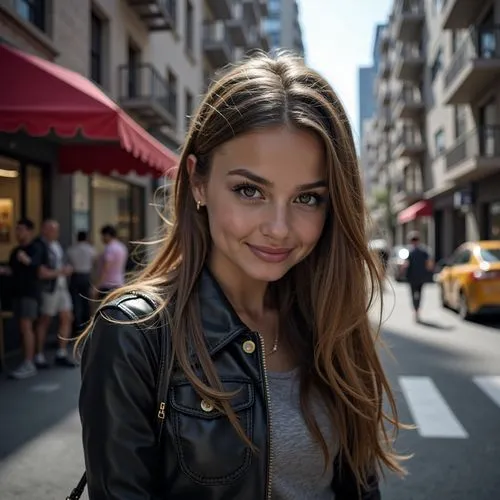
(247, 296)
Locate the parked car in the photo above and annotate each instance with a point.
(470, 279)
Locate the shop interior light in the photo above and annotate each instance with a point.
(11, 174)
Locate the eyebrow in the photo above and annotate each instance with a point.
(243, 172)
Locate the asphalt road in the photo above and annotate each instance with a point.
(446, 376)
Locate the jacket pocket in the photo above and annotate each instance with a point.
(208, 448)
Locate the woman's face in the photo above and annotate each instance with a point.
(266, 200)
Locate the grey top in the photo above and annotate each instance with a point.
(298, 463)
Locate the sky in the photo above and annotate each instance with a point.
(338, 38)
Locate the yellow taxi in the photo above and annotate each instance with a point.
(470, 279)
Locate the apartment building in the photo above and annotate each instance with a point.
(283, 26)
(437, 118)
(231, 29)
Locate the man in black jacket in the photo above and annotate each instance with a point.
(418, 266)
(24, 263)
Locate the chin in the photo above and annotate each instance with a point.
(266, 272)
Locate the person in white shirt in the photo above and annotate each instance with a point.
(81, 257)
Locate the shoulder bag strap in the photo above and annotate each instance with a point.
(161, 388)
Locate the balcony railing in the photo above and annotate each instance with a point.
(483, 142)
(158, 15)
(408, 19)
(145, 92)
(217, 43)
(482, 43)
(220, 9)
(409, 7)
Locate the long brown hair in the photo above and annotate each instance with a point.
(324, 300)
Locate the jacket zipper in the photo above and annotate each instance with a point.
(268, 403)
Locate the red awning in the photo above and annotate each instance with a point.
(420, 209)
(42, 98)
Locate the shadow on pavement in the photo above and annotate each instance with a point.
(435, 325)
(33, 406)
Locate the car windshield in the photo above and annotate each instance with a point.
(490, 254)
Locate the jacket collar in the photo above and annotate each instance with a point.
(219, 320)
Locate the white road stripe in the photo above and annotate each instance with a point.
(490, 385)
(432, 415)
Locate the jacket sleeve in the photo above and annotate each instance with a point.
(117, 410)
(345, 485)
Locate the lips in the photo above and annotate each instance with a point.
(270, 254)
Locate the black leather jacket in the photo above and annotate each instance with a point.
(199, 455)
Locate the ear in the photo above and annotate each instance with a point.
(197, 187)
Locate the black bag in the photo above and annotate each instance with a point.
(162, 388)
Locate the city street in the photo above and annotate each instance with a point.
(446, 376)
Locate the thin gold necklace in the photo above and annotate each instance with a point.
(275, 344)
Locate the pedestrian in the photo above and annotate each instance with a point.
(55, 296)
(24, 263)
(271, 386)
(112, 263)
(418, 265)
(81, 257)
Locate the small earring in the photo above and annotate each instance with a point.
(198, 205)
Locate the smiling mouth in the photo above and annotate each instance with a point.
(270, 254)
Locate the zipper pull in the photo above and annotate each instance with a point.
(161, 411)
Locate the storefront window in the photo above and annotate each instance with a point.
(10, 204)
(120, 204)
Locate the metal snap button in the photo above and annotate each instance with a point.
(249, 346)
(206, 406)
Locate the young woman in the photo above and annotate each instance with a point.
(275, 389)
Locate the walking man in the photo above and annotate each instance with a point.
(418, 266)
(23, 267)
(55, 298)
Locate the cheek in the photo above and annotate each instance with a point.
(310, 229)
(229, 219)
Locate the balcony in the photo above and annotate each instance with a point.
(384, 69)
(406, 196)
(220, 9)
(475, 66)
(408, 103)
(158, 15)
(384, 42)
(144, 93)
(383, 96)
(237, 26)
(217, 45)
(385, 120)
(410, 63)
(460, 14)
(474, 155)
(409, 143)
(409, 17)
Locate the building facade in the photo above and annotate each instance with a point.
(436, 116)
(146, 65)
(283, 26)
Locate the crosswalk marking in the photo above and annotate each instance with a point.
(430, 412)
(491, 386)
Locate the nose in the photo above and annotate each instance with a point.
(277, 224)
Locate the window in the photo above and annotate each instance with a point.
(96, 48)
(189, 34)
(134, 69)
(274, 6)
(32, 11)
(459, 119)
(439, 142)
(172, 93)
(437, 65)
(490, 254)
(189, 108)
